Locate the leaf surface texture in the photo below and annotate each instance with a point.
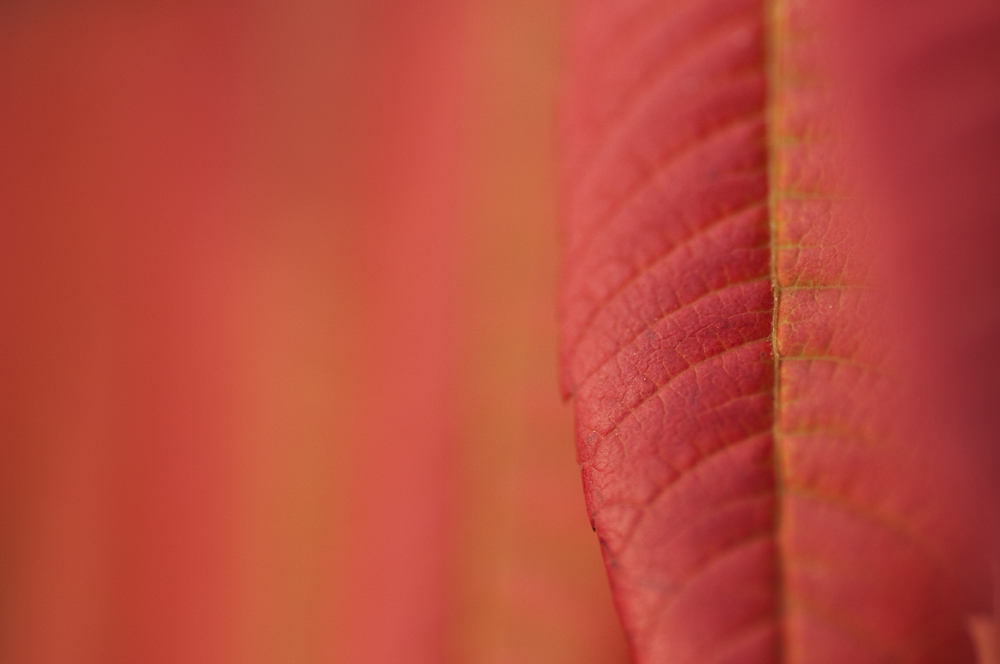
(758, 491)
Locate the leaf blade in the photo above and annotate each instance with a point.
(696, 384)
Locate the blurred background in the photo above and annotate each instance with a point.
(277, 337)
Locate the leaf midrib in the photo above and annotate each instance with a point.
(773, 12)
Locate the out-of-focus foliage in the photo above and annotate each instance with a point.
(277, 375)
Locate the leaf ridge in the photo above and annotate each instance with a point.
(666, 316)
(691, 367)
(739, 500)
(739, 637)
(629, 109)
(839, 361)
(650, 16)
(729, 217)
(716, 131)
(885, 521)
(882, 651)
(739, 547)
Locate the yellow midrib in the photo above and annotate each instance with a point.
(774, 12)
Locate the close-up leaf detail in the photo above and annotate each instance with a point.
(757, 486)
(314, 312)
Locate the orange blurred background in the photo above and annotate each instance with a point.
(277, 337)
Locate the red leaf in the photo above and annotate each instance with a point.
(929, 106)
(762, 483)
